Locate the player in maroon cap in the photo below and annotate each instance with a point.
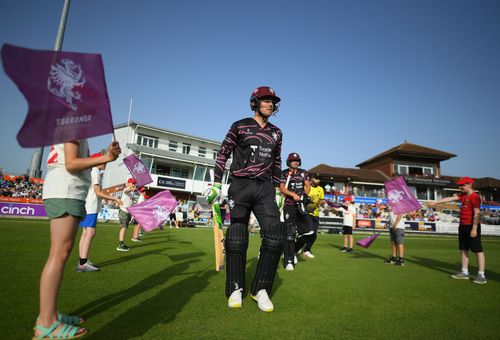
(295, 186)
(469, 230)
(255, 144)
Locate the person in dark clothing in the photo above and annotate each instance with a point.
(255, 144)
(295, 186)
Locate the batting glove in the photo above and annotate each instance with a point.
(213, 193)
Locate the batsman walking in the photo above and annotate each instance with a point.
(255, 144)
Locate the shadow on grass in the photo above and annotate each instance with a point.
(450, 268)
(131, 256)
(444, 267)
(360, 253)
(161, 308)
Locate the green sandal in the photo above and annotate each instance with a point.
(72, 320)
(66, 332)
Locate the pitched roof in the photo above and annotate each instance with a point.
(487, 182)
(354, 174)
(409, 149)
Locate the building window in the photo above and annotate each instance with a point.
(202, 151)
(402, 169)
(172, 146)
(428, 171)
(199, 173)
(179, 172)
(186, 148)
(162, 169)
(214, 154)
(422, 193)
(207, 175)
(149, 141)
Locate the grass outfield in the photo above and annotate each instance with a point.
(167, 287)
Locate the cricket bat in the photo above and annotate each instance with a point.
(282, 209)
(218, 232)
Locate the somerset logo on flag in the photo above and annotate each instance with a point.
(66, 94)
(138, 170)
(151, 213)
(400, 197)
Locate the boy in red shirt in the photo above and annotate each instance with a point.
(469, 231)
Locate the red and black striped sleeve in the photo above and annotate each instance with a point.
(225, 151)
(277, 161)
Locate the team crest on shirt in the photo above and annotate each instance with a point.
(275, 136)
(231, 204)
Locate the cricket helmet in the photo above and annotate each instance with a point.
(293, 157)
(264, 93)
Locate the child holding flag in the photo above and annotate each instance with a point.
(128, 199)
(397, 232)
(92, 207)
(349, 223)
(64, 193)
(469, 230)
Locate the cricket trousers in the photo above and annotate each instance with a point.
(246, 195)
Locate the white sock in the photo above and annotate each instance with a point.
(480, 273)
(465, 271)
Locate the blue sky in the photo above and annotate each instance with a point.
(355, 77)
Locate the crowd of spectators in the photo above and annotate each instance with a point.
(380, 211)
(20, 187)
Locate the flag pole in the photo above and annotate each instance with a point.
(128, 120)
(36, 157)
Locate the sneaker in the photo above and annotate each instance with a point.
(289, 267)
(480, 279)
(400, 262)
(349, 250)
(234, 300)
(122, 247)
(263, 301)
(140, 233)
(343, 249)
(135, 239)
(391, 260)
(93, 264)
(87, 267)
(460, 276)
(309, 255)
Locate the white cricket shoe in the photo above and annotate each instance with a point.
(234, 300)
(289, 267)
(263, 301)
(309, 255)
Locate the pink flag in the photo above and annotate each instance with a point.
(151, 213)
(138, 170)
(66, 94)
(367, 241)
(400, 197)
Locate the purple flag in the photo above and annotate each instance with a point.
(151, 213)
(138, 170)
(66, 94)
(400, 197)
(367, 241)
